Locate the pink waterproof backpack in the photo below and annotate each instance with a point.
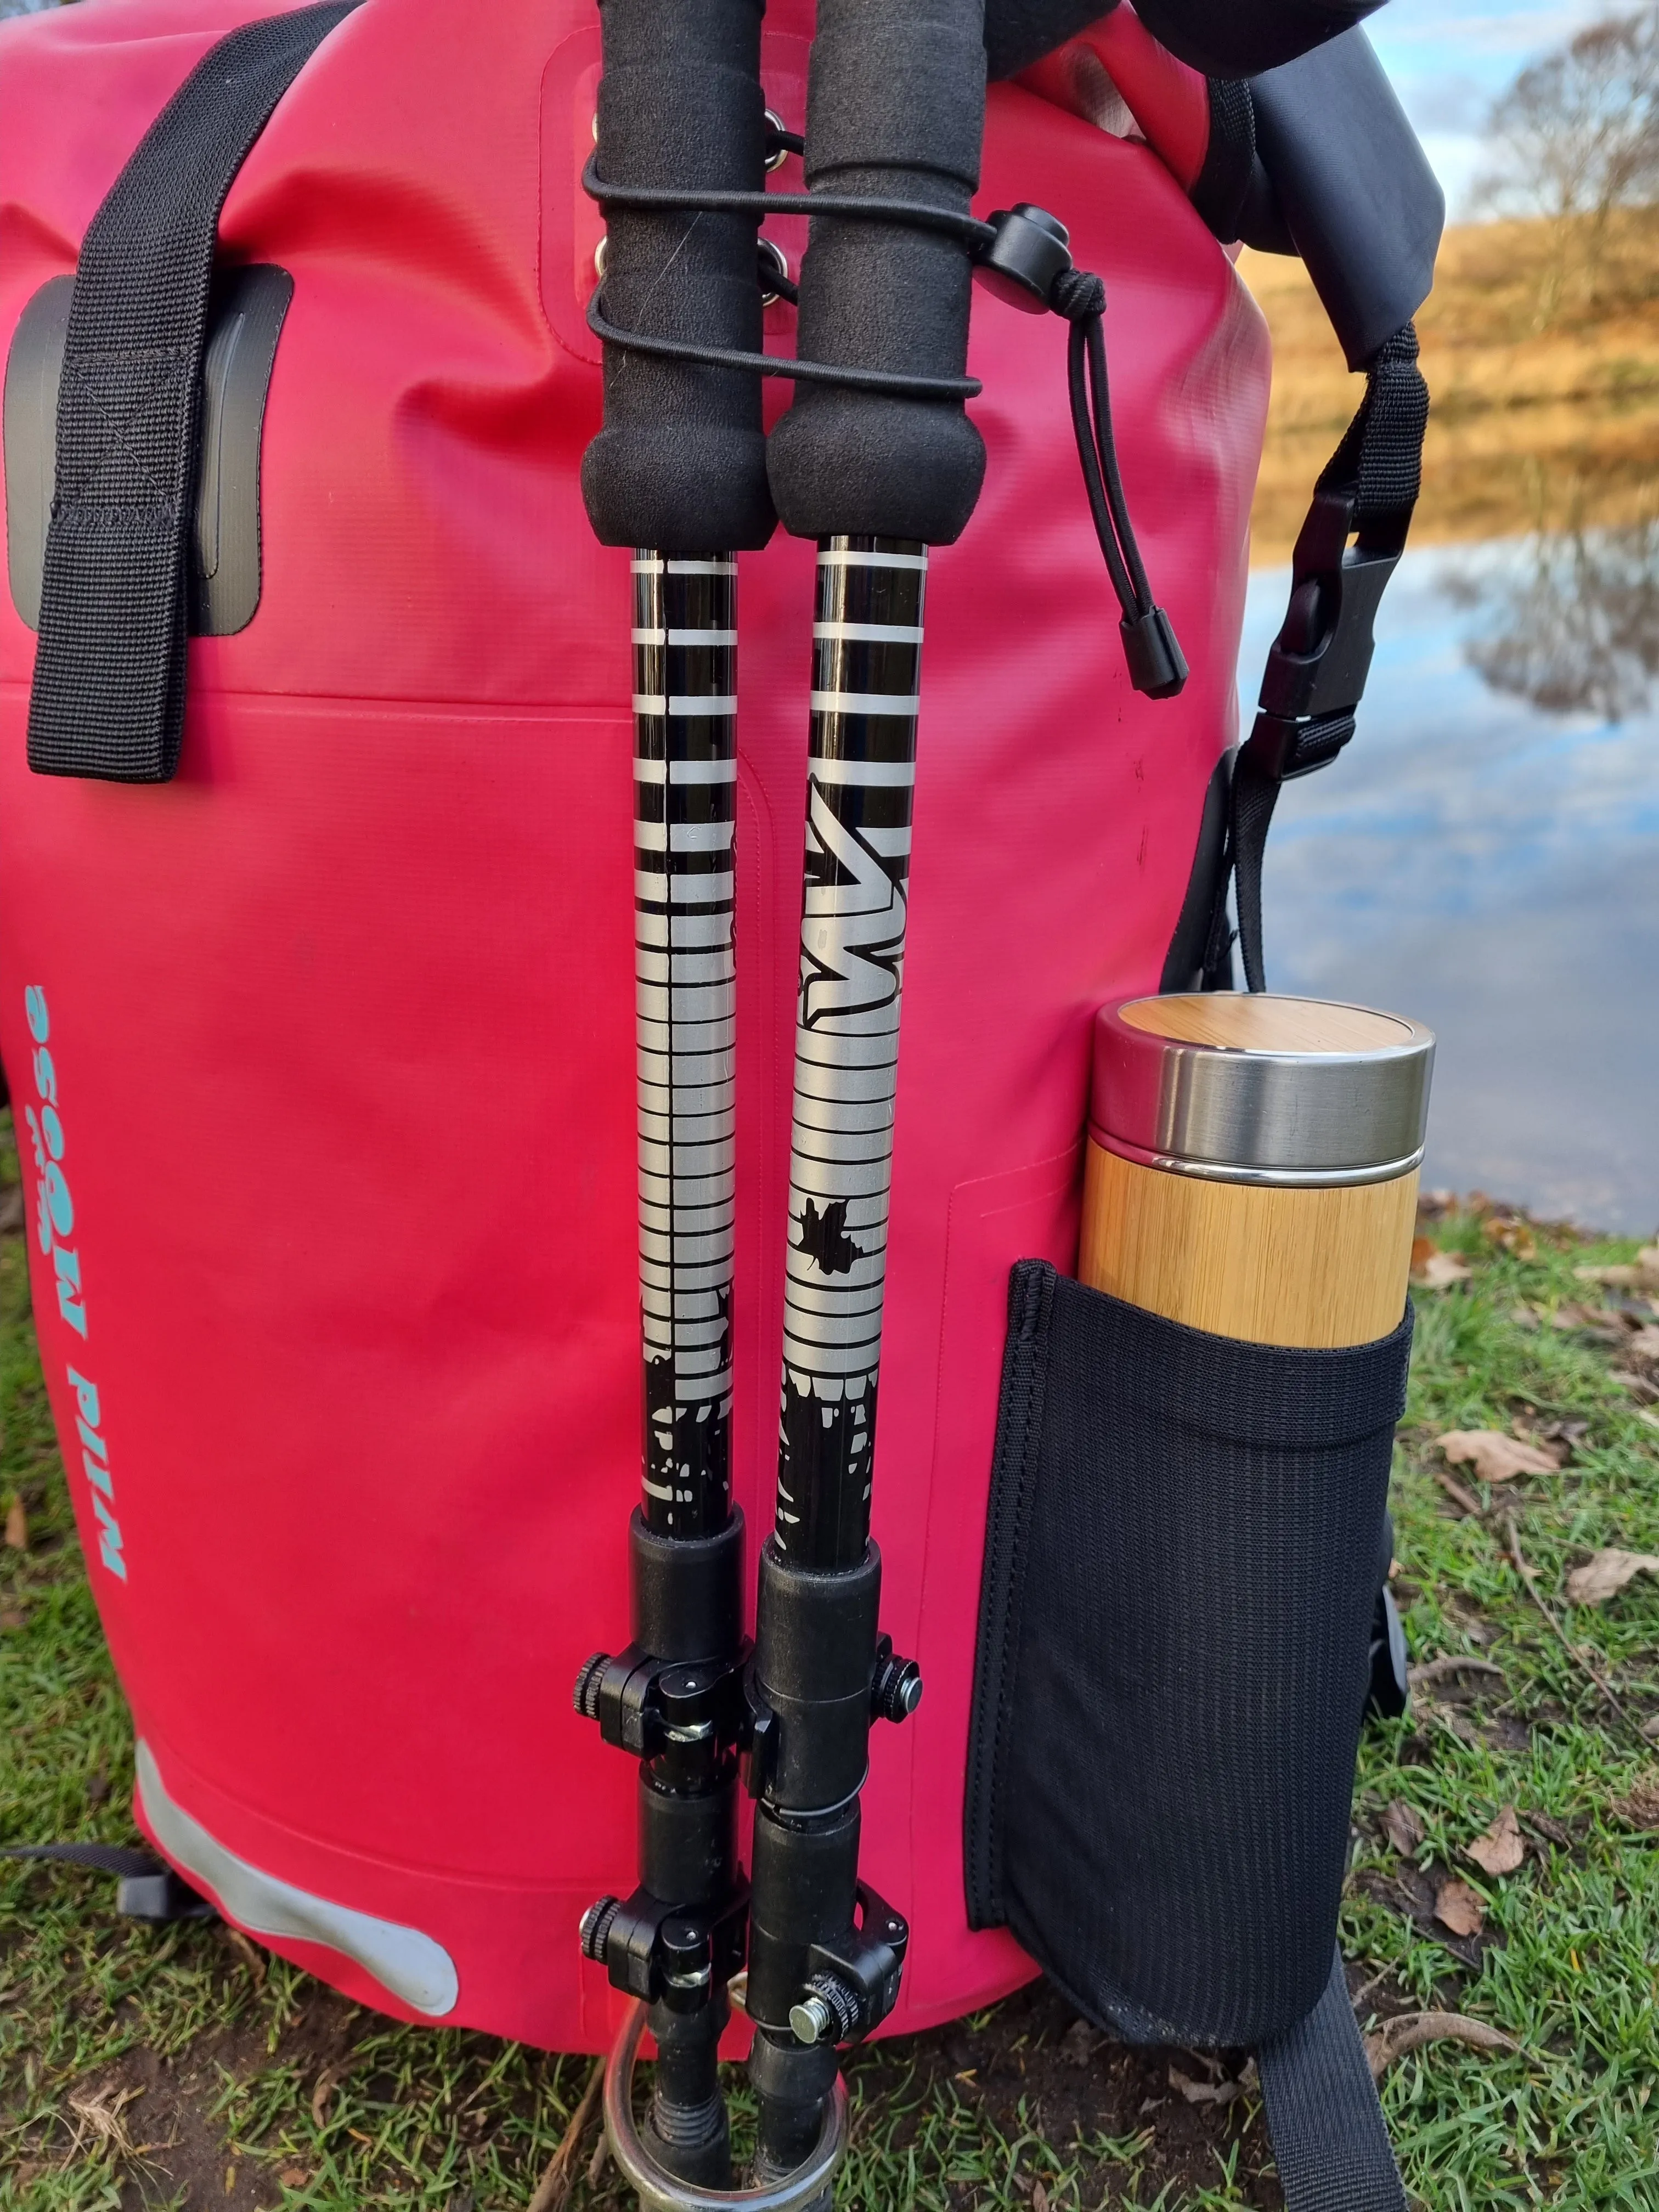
(322, 1051)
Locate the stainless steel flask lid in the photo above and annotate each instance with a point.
(1248, 1087)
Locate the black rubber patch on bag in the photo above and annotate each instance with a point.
(1181, 1566)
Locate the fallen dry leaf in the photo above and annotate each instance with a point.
(1605, 1574)
(1411, 2030)
(1440, 1271)
(1496, 1458)
(1465, 1500)
(1078, 2044)
(596, 2164)
(11, 1616)
(1202, 2092)
(1402, 1826)
(17, 1526)
(1551, 1830)
(1640, 1809)
(1500, 1849)
(101, 2112)
(1039, 2197)
(1644, 1343)
(1453, 1663)
(1595, 1320)
(1611, 1279)
(294, 2177)
(327, 2082)
(1458, 1907)
(249, 1957)
(1510, 1235)
(554, 2188)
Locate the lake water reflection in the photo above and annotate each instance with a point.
(1485, 856)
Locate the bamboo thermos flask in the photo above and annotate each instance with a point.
(1253, 1164)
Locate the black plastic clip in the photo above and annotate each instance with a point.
(647, 1708)
(663, 1953)
(1317, 670)
(853, 1982)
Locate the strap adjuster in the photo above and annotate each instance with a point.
(1320, 660)
(1280, 750)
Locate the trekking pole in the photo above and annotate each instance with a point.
(679, 469)
(895, 110)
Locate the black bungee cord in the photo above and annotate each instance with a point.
(1022, 254)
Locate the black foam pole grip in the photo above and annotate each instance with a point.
(896, 109)
(680, 464)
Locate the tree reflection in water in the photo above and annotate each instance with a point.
(1575, 629)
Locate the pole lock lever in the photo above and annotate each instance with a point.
(663, 1953)
(645, 1707)
(854, 1980)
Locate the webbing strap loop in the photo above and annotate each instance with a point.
(1316, 670)
(108, 696)
(1330, 2142)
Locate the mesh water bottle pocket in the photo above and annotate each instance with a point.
(1181, 1566)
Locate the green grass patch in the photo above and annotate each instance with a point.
(177, 2067)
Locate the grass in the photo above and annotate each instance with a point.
(1544, 383)
(184, 2067)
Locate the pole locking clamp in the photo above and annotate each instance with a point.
(854, 1980)
(644, 1707)
(662, 1952)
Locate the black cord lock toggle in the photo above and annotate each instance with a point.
(1022, 262)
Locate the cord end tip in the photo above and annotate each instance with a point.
(1157, 666)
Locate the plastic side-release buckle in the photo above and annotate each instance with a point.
(1317, 670)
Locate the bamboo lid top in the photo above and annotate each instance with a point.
(1248, 1087)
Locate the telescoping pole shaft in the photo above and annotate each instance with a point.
(867, 670)
(824, 1960)
(895, 110)
(677, 469)
(685, 898)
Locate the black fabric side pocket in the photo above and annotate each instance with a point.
(1180, 1570)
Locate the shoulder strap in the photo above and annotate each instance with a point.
(1329, 2140)
(108, 697)
(1317, 670)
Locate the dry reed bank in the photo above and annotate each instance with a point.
(1541, 343)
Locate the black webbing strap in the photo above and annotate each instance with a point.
(149, 1890)
(1329, 2140)
(101, 1858)
(108, 698)
(1317, 670)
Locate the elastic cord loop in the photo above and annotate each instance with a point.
(891, 381)
(915, 215)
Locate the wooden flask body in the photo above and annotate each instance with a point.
(1269, 1267)
(1320, 1264)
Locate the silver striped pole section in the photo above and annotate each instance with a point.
(866, 658)
(824, 1955)
(685, 895)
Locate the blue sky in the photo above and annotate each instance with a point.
(1448, 58)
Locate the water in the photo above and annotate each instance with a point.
(1485, 856)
